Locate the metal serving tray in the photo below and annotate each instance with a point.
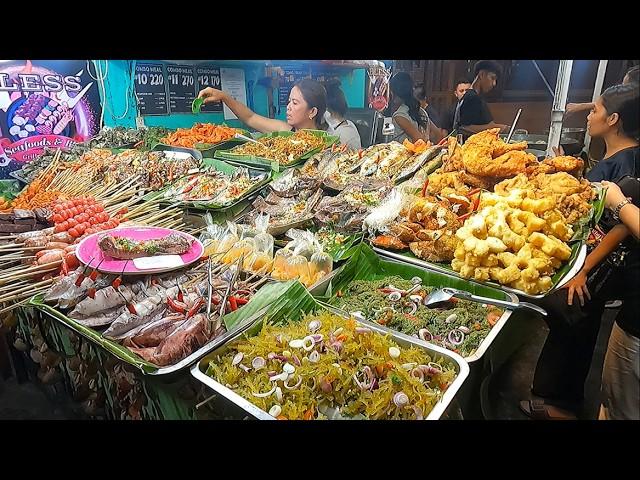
(462, 369)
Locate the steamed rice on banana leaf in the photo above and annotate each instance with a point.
(327, 367)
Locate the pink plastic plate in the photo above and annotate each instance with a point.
(88, 249)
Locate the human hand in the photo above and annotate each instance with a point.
(577, 285)
(211, 95)
(558, 151)
(614, 195)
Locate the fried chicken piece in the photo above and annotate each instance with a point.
(440, 181)
(572, 165)
(486, 183)
(403, 232)
(508, 165)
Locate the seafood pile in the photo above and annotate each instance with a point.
(115, 137)
(200, 133)
(214, 187)
(393, 161)
(155, 169)
(326, 367)
(283, 149)
(160, 318)
(398, 304)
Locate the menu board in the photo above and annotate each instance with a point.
(182, 88)
(207, 76)
(289, 79)
(151, 93)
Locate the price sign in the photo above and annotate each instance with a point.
(151, 93)
(209, 77)
(182, 88)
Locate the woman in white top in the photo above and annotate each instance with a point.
(336, 110)
(409, 119)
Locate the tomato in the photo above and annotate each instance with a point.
(57, 218)
(72, 222)
(74, 233)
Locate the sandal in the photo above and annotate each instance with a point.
(538, 410)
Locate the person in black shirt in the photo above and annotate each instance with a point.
(460, 88)
(621, 372)
(472, 114)
(574, 311)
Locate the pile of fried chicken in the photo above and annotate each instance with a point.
(485, 160)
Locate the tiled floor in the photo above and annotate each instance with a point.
(507, 387)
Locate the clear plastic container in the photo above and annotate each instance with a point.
(321, 264)
(280, 263)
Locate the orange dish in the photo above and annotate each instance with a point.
(199, 133)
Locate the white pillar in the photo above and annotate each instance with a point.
(559, 103)
(597, 89)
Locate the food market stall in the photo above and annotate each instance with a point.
(295, 278)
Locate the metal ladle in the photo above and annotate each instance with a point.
(442, 295)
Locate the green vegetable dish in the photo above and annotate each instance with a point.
(398, 304)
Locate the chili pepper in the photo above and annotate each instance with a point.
(233, 304)
(132, 308)
(95, 272)
(81, 277)
(116, 283)
(424, 187)
(91, 293)
(243, 292)
(193, 310)
(241, 301)
(180, 295)
(174, 306)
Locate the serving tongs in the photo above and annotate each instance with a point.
(442, 295)
(244, 137)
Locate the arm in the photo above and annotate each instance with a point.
(572, 108)
(412, 132)
(246, 115)
(609, 243)
(436, 134)
(629, 214)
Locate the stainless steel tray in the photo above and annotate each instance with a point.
(462, 369)
(577, 266)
